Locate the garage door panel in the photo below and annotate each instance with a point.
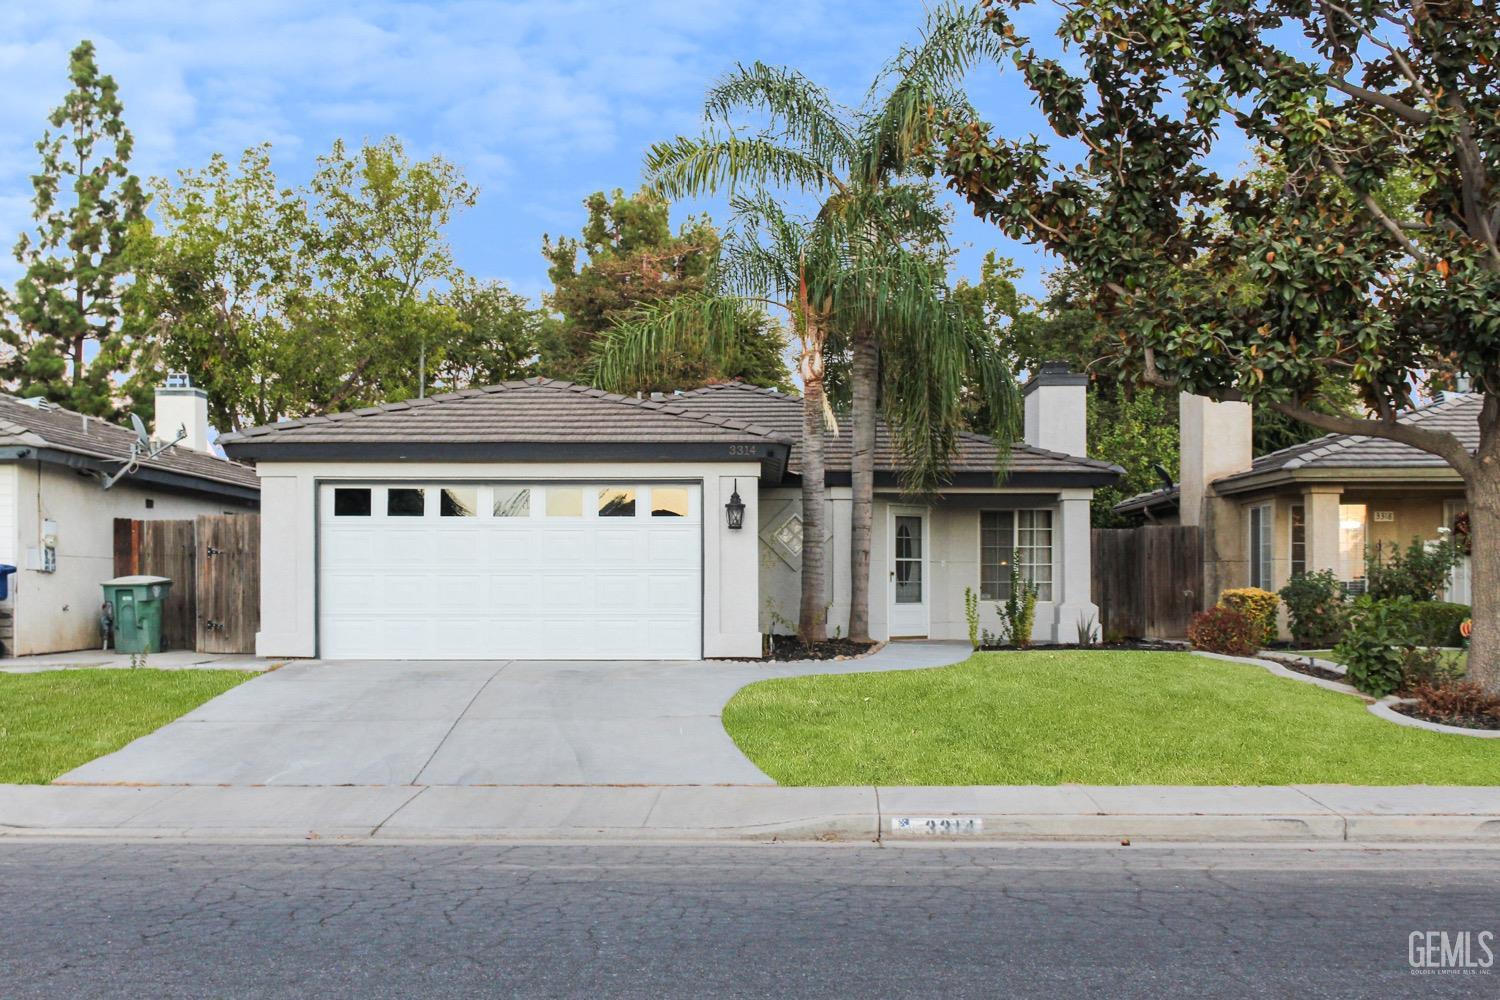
(504, 587)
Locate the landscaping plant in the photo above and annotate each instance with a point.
(971, 615)
(1224, 630)
(1457, 702)
(1438, 622)
(1018, 611)
(1381, 646)
(1317, 609)
(1420, 573)
(1255, 604)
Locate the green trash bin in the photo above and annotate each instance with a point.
(137, 602)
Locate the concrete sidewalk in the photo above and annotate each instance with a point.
(113, 659)
(1309, 813)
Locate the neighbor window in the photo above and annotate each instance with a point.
(1022, 537)
(616, 502)
(669, 501)
(1261, 521)
(564, 501)
(1299, 539)
(351, 502)
(459, 501)
(512, 501)
(405, 502)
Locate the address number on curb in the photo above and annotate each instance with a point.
(937, 826)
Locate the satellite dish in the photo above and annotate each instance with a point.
(142, 437)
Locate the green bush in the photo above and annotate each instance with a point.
(1317, 609)
(1225, 630)
(1437, 622)
(1420, 573)
(1382, 649)
(1018, 612)
(1255, 604)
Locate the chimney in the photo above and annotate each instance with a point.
(1056, 409)
(1216, 442)
(180, 404)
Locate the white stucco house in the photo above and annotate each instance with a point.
(548, 520)
(57, 515)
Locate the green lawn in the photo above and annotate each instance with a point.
(1104, 718)
(52, 722)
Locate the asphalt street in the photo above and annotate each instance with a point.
(88, 919)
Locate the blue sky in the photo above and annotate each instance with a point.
(540, 103)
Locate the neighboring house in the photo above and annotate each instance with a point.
(542, 519)
(1313, 506)
(57, 518)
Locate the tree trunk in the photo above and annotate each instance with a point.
(865, 387)
(1484, 556)
(812, 619)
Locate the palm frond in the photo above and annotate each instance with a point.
(800, 111)
(639, 346)
(687, 167)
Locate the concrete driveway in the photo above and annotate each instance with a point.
(519, 722)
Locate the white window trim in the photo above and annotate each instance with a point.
(1015, 546)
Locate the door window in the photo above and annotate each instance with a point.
(908, 559)
(405, 502)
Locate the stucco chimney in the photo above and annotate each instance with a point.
(1056, 409)
(1216, 442)
(179, 405)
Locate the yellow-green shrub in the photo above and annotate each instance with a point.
(1255, 604)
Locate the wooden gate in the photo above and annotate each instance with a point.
(214, 564)
(228, 582)
(1148, 581)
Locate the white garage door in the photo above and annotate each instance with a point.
(510, 570)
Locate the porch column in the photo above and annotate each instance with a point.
(1073, 582)
(1321, 506)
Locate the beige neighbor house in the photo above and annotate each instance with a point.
(1311, 507)
(57, 514)
(546, 520)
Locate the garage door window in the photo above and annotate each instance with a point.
(403, 501)
(669, 501)
(461, 501)
(349, 502)
(511, 501)
(615, 502)
(564, 501)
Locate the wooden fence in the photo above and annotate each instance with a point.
(1148, 581)
(214, 564)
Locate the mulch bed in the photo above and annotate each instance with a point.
(1311, 670)
(789, 647)
(1419, 711)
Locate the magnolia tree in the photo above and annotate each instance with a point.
(1371, 251)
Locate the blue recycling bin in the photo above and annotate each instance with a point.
(5, 571)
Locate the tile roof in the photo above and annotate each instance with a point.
(536, 410)
(24, 424)
(783, 411)
(1458, 414)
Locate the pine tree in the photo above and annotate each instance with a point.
(70, 295)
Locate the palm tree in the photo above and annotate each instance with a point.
(853, 159)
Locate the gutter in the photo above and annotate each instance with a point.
(163, 479)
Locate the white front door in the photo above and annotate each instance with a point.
(909, 579)
(510, 570)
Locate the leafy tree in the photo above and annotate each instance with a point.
(854, 161)
(70, 297)
(1138, 432)
(1376, 100)
(497, 335)
(627, 257)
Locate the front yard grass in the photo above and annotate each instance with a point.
(51, 722)
(1098, 718)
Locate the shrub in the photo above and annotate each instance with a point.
(1225, 630)
(1437, 622)
(1018, 612)
(1255, 604)
(1381, 648)
(1420, 573)
(1315, 605)
(971, 615)
(1456, 699)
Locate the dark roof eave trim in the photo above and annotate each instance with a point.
(162, 479)
(771, 455)
(1415, 476)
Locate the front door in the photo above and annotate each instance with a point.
(909, 579)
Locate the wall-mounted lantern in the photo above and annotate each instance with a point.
(734, 510)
